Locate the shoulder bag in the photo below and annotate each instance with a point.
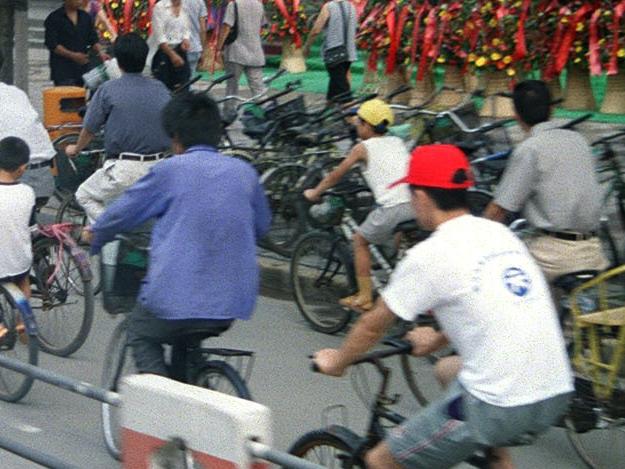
(234, 30)
(338, 54)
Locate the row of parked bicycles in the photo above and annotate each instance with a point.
(293, 143)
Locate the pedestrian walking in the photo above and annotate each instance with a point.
(245, 54)
(338, 21)
(70, 36)
(197, 13)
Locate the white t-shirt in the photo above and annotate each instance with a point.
(17, 202)
(387, 161)
(493, 304)
(18, 118)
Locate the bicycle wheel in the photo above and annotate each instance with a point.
(117, 364)
(280, 185)
(221, 377)
(321, 274)
(63, 307)
(325, 449)
(15, 343)
(602, 447)
(419, 375)
(70, 211)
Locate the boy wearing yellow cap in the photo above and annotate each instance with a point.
(384, 159)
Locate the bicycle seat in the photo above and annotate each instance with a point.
(196, 336)
(405, 226)
(568, 282)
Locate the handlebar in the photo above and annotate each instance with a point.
(608, 138)
(397, 347)
(397, 91)
(572, 123)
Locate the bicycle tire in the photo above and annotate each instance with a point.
(421, 370)
(313, 446)
(116, 360)
(13, 345)
(62, 329)
(70, 211)
(596, 448)
(317, 298)
(287, 223)
(213, 370)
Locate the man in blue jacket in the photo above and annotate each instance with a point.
(209, 211)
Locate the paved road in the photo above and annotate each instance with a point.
(68, 426)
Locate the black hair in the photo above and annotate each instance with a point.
(1, 59)
(131, 52)
(532, 101)
(193, 119)
(14, 152)
(446, 199)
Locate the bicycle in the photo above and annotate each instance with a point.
(18, 340)
(219, 369)
(339, 446)
(62, 290)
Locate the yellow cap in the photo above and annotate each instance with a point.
(375, 112)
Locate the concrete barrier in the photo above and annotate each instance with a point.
(215, 427)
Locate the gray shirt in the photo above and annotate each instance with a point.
(195, 10)
(247, 48)
(334, 28)
(130, 109)
(551, 178)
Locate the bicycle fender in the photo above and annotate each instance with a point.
(345, 434)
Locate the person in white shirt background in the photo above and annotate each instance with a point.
(170, 42)
(197, 13)
(18, 118)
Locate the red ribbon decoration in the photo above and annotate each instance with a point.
(297, 39)
(128, 4)
(472, 33)
(415, 34)
(567, 40)
(594, 56)
(360, 6)
(372, 63)
(618, 14)
(428, 40)
(520, 50)
(398, 29)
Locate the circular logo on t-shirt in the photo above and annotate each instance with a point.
(517, 281)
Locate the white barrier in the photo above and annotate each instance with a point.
(214, 426)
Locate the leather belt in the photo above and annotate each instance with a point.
(43, 164)
(137, 156)
(570, 236)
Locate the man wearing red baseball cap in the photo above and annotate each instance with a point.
(492, 304)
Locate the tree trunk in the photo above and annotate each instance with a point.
(7, 10)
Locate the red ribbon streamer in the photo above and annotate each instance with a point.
(567, 40)
(618, 14)
(290, 19)
(520, 50)
(391, 59)
(428, 40)
(594, 56)
(128, 4)
(415, 34)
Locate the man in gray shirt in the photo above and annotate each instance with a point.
(129, 108)
(551, 179)
(245, 54)
(196, 11)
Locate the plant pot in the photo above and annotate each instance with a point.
(578, 93)
(496, 106)
(555, 88)
(452, 78)
(422, 90)
(293, 60)
(393, 81)
(614, 99)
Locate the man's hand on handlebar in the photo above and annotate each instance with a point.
(312, 195)
(71, 150)
(327, 361)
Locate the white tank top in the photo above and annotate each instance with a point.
(387, 161)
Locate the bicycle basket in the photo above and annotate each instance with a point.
(445, 130)
(327, 213)
(122, 268)
(278, 111)
(70, 177)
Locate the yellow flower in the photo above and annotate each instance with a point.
(441, 60)
(472, 57)
(492, 23)
(480, 62)
(507, 59)
(484, 48)
(495, 56)
(511, 72)
(579, 49)
(607, 13)
(137, 4)
(114, 5)
(564, 20)
(577, 60)
(620, 53)
(579, 27)
(496, 41)
(601, 41)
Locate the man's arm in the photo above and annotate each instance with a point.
(144, 200)
(262, 211)
(495, 212)
(367, 332)
(318, 26)
(357, 154)
(84, 139)
(96, 116)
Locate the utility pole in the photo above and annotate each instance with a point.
(21, 45)
(7, 21)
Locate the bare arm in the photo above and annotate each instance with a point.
(78, 57)
(223, 34)
(367, 332)
(203, 31)
(495, 212)
(318, 26)
(357, 154)
(84, 139)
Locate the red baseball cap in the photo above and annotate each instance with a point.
(441, 165)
